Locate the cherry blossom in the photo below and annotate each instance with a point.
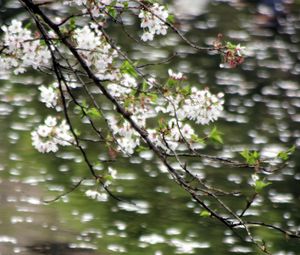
(22, 49)
(48, 136)
(153, 21)
(203, 107)
(96, 52)
(175, 76)
(49, 95)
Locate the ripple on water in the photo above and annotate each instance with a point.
(138, 206)
(280, 198)
(116, 248)
(152, 239)
(7, 239)
(241, 249)
(188, 246)
(5, 109)
(86, 217)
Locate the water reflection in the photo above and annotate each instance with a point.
(262, 106)
(187, 9)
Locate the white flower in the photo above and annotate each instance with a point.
(187, 131)
(178, 133)
(203, 107)
(127, 138)
(175, 76)
(147, 36)
(92, 193)
(240, 50)
(95, 50)
(49, 96)
(48, 136)
(44, 130)
(153, 21)
(22, 49)
(125, 86)
(254, 179)
(99, 196)
(112, 172)
(50, 121)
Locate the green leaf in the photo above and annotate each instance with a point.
(77, 132)
(84, 104)
(108, 178)
(128, 68)
(205, 213)
(260, 185)
(112, 12)
(28, 25)
(250, 157)
(186, 90)
(197, 139)
(162, 123)
(125, 4)
(284, 155)
(43, 43)
(141, 149)
(171, 18)
(153, 97)
(93, 112)
(127, 102)
(216, 135)
(171, 83)
(145, 85)
(72, 23)
(230, 45)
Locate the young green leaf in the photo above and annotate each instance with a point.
(205, 213)
(216, 135)
(197, 139)
(171, 19)
(284, 155)
(260, 185)
(93, 112)
(250, 157)
(128, 68)
(112, 12)
(72, 23)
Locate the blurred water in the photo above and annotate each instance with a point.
(262, 112)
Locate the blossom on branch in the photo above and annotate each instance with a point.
(48, 136)
(49, 95)
(153, 21)
(175, 76)
(96, 51)
(203, 107)
(200, 106)
(22, 49)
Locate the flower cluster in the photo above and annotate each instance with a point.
(153, 21)
(172, 135)
(49, 95)
(95, 6)
(123, 86)
(233, 55)
(175, 76)
(97, 195)
(48, 136)
(127, 138)
(21, 49)
(202, 106)
(97, 53)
